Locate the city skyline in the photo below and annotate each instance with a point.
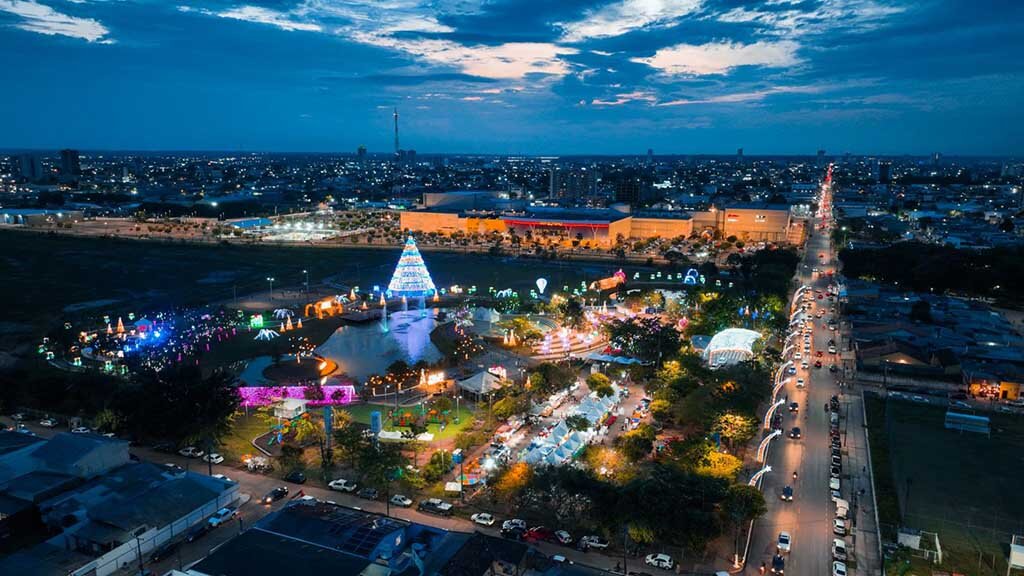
(868, 77)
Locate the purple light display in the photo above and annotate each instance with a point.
(317, 395)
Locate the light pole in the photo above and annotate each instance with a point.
(306, 272)
(271, 280)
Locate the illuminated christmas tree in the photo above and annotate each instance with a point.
(411, 278)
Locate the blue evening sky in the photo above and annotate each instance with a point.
(515, 76)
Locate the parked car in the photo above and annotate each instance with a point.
(563, 537)
(482, 518)
(839, 527)
(368, 493)
(435, 506)
(296, 477)
(834, 471)
(595, 542)
(164, 551)
(48, 423)
(222, 477)
(197, 532)
(221, 516)
(80, 430)
(839, 549)
(275, 495)
(540, 534)
(191, 452)
(165, 447)
(213, 458)
(342, 485)
(401, 501)
(663, 561)
(838, 569)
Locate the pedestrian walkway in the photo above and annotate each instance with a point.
(862, 502)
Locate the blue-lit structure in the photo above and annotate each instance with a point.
(411, 278)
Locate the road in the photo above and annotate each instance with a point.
(809, 517)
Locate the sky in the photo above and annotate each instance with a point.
(515, 76)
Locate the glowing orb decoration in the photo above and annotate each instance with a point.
(542, 283)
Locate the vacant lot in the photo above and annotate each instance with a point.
(963, 486)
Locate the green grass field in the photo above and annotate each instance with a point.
(361, 413)
(964, 486)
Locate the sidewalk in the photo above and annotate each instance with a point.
(865, 530)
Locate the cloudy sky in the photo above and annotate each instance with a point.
(515, 76)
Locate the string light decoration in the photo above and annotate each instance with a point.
(411, 278)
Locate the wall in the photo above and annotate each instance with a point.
(127, 553)
(442, 222)
(755, 223)
(664, 227)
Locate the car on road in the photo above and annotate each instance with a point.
(797, 355)
(48, 423)
(838, 549)
(342, 485)
(275, 495)
(295, 477)
(833, 484)
(191, 452)
(482, 518)
(563, 537)
(837, 460)
(787, 494)
(213, 458)
(401, 501)
(663, 561)
(435, 506)
(164, 447)
(959, 404)
(795, 432)
(80, 430)
(595, 542)
(838, 569)
(917, 398)
(784, 543)
(834, 471)
(778, 564)
(791, 370)
(164, 551)
(221, 516)
(839, 527)
(540, 534)
(794, 406)
(222, 477)
(197, 532)
(368, 493)
(799, 382)
(835, 495)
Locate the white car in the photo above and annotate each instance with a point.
(833, 484)
(80, 430)
(797, 355)
(222, 477)
(48, 423)
(213, 458)
(342, 485)
(839, 549)
(838, 569)
(799, 382)
(191, 452)
(839, 527)
(482, 518)
(663, 561)
(400, 500)
(784, 542)
(222, 516)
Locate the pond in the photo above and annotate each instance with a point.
(366, 349)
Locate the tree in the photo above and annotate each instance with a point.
(309, 431)
(600, 385)
(635, 445)
(291, 456)
(549, 378)
(661, 410)
(742, 504)
(439, 464)
(577, 422)
(736, 427)
(180, 405)
(510, 406)
(570, 313)
(513, 480)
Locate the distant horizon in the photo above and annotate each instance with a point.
(387, 155)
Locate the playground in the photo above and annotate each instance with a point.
(442, 427)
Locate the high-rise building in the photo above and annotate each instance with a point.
(884, 171)
(30, 167)
(70, 165)
(572, 183)
(632, 187)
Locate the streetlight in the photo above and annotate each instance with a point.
(306, 272)
(271, 280)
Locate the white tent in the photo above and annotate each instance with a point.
(480, 383)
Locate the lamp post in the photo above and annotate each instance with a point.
(306, 272)
(271, 280)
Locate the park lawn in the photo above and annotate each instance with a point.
(960, 485)
(239, 442)
(361, 413)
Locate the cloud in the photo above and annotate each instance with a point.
(625, 16)
(513, 60)
(793, 19)
(721, 57)
(750, 96)
(625, 98)
(43, 19)
(260, 15)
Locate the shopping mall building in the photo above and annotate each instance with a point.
(476, 213)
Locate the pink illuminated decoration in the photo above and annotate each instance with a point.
(265, 395)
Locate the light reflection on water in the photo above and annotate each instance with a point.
(365, 349)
